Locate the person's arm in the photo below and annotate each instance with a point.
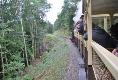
(114, 51)
(85, 36)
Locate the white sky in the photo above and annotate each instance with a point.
(56, 8)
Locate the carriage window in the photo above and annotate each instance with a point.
(115, 19)
(98, 21)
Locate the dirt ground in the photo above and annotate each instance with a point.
(74, 72)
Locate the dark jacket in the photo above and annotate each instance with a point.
(100, 36)
(81, 28)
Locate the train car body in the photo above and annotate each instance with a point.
(100, 63)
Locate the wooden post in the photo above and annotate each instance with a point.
(100, 22)
(111, 19)
(105, 24)
(89, 24)
(89, 48)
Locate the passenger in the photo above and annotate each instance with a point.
(81, 27)
(114, 34)
(77, 26)
(78, 23)
(114, 31)
(100, 36)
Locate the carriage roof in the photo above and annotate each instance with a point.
(102, 6)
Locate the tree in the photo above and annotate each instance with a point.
(65, 18)
(22, 29)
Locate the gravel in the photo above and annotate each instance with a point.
(74, 69)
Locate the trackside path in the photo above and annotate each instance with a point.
(73, 72)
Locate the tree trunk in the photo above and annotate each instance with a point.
(2, 64)
(35, 39)
(24, 43)
(32, 37)
(37, 42)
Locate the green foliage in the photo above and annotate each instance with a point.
(65, 18)
(116, 20)
(49, 27)
(18, 17)
(14, 68)
(49, 41)
(50, 38)
(64, 33)
(27, 77)
(52, 65)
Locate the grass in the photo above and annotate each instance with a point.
(64, 33)
(53, 64)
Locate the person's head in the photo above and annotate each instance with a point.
(116, 26)
(114, 30)
(82, 17)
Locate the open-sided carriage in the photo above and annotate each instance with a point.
(100, 63)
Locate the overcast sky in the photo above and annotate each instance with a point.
(56, 8)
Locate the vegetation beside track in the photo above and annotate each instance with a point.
(64, 33)
(53, 63)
